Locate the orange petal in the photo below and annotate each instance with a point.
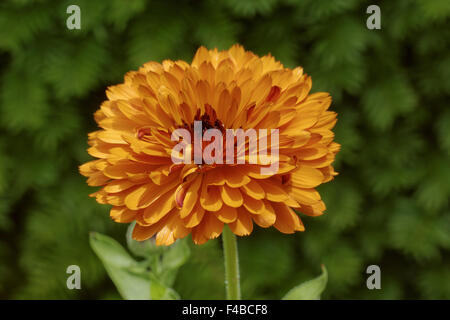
(172, 230)
(254, 190)
(231, 196)
(118, 186)
(210, 198)
(234, 178)
(287, 221)
(306, 177)
(267, 217)
(313, 210)
(122, 214)
(195, 217)
(243, 225)
(226, 214)
(305, 196)
(253, 205)
(214, 178)
(273, 192)
(141, 233)
(192, 195)
(158, 209)
(209, 228)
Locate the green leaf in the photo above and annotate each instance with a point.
(164, 261)
(144, 249)
(172, 260)
(132, 285)
(177, 255)
(309, 290)
(133, 279)
(159, 291)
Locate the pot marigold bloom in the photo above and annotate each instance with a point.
(232, 89)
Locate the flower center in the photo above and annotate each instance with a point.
(209, 120)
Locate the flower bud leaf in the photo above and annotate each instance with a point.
(309, 290)
(121, 268)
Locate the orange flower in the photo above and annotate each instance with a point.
(222, 90)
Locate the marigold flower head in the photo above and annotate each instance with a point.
(233, 89)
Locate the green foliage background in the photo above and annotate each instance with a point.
(389, 206)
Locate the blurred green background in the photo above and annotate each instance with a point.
(389, 205)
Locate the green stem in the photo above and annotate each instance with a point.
(231, 264)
